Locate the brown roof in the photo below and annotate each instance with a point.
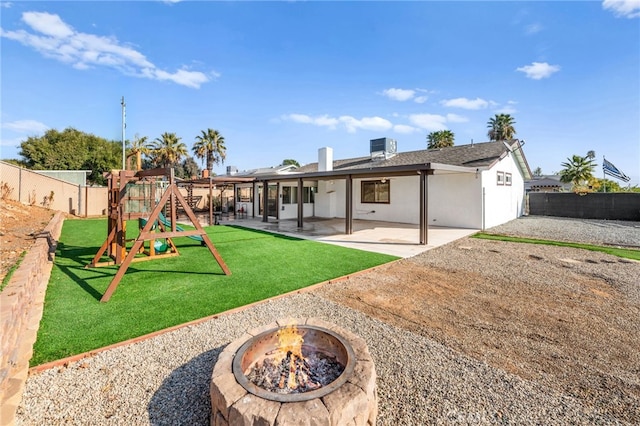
(474, 155)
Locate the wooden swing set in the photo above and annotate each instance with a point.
(126, 203)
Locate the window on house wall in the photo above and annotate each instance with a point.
(500, 180)
(375, 191)
(289, 195)
(507, 178)
(308, 194)
(244, 195)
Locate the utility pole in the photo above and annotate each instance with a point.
(124, 125)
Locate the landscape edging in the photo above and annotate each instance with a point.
(21, 307)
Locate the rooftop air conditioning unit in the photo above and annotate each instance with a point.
(232, 170)
(383, 148)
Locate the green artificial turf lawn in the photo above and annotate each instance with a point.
(615, 251)
(160, 293)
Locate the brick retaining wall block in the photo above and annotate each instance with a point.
(21, 305)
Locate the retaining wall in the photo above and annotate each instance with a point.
(29, 187)
(596, 205)
(21, 305)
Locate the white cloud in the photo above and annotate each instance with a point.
(539, 70)
(455, 118)
(623, 8)
(465, 103)
(322, 121)
(53, 38)
(47, 24)
(421, 99)
(26, 126)
(365, 123)
(350, 123)
(509, 108)
(6, 4)
(431, 122)
(533, 29)
(399, 94)
(405, 129)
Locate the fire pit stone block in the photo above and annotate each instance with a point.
(307, 413)
(225, 391)
(251, 410)
(353, 403)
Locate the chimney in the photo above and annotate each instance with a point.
(325, 159)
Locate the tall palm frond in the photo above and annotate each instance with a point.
(167, 150)
(501, 127)
(210, 146)
(440, 139)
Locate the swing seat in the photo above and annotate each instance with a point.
(160, 246)
(143, 222)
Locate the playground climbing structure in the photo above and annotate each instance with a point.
(133, 195)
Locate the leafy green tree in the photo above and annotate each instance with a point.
(577, 170)
(290, 162)
(501, 127)
(210, 146)
(537, 172)
(187, 168)
(167, 150)
(606, 185)
(440, 139)
(71, 149)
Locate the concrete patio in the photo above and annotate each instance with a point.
(397, 239)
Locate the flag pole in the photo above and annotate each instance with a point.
(124, 158)
(604, 179)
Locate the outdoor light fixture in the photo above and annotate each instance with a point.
(384, 180)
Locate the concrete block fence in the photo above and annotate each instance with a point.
(21, 305)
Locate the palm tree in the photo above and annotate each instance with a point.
(139, 146)
(167, 150)
(210, 146)
(501, 127)
(591, 155)
(577, 170)
(440, 139)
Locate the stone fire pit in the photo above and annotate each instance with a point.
(350, 399)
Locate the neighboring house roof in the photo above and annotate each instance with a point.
(479, 155)
(552, 181)
(268, 170)
(545, 182)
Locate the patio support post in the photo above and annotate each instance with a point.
(348, 228)
(424, 202)
(265, 201)
(210, 200)
(300, 203)
(255, 199)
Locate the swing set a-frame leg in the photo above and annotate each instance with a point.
(121, 270)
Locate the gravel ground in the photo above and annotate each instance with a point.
(427, 379)
(605, 232)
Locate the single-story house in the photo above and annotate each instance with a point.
(550, 183)
(472, 186)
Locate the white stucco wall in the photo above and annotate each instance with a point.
(403, 208)
(503, 202)
(455, 200)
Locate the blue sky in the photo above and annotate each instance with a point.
(282, 79)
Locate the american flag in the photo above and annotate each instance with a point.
(611, 170)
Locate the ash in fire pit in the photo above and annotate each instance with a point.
(294, 367)
(294, 359)
(313, 371)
